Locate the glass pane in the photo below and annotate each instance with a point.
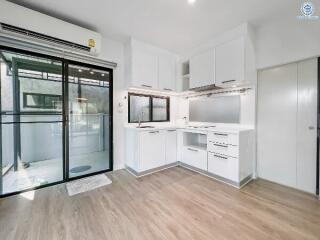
(32, 135)
(159, 110)
(89, 106)
(139, 109)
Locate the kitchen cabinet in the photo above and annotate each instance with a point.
(167, 72)
(144, 69)
(230, 63)
(152, 149)
(230, 155)
(149, 67)
(147, 150)
(194, 157)
(171, 146)
(202, 69)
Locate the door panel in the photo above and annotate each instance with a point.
(277, 109)
(287, 124)
(89, 120)
(31, 121)
(307, 125)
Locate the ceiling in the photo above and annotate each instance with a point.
(171, 24)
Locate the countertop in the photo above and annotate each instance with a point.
(207, 128)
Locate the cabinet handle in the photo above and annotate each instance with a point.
(193, 150)
(153, 132)
(148, 86)
(217, 156)
(219, 145)
(229, 81)
(221, 134)
(167, 89)
(172, 130)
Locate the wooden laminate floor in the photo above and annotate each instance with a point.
(172, 204)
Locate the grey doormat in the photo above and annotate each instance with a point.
(87, 184)
(80, 169)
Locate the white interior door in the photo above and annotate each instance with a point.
(277, 109)
(307, 125)
(287, 122)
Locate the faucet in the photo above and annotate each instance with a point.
(140, 116)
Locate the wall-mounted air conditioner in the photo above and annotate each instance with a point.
(28, 25)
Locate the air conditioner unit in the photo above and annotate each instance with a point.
(25, 24)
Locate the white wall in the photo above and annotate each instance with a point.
(114, 51)
(287, 40)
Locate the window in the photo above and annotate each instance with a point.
(42, 101)
(148, 108)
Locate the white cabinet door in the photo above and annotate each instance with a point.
(230, 63)
(144, 69)
(152, 149)
(277, 124)
(194, 157)
(202, 69)
(307, 125)
(223, 166)
(171, 146)
(167, 72)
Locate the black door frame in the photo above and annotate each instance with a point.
(65, 118)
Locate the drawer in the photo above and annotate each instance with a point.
(223, 166)
(194, 157)
(222, 137)
(224, 149)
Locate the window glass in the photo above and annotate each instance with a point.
(139, 108)
(148, 108)
(159, 107)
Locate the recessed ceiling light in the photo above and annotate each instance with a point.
(102, 74)
(191, 1)
(80, 70)
(91, 73)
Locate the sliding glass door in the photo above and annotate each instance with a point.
(31, 121)
(89, 120)
(55, 121)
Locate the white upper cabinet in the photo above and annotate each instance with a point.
(144, 69)
(230, 63)
(202, 69)
(149, 67)
(167, 72)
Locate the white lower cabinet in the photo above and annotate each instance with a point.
(194, 157)
(227, 156)
(171, 146)
(223, 166)
(152, 149)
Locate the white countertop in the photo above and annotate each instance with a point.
(192, 127)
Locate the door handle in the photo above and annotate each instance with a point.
(219, 145)
(148, 86)
(311, 127)
(229, 81)
(193, 150)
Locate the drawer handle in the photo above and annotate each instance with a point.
(154, 132)
(193, 150)
(221, 134)
(229, 81)
(172, 130)
(148, 86)
(167, 89)
(219, 145)
(217, 156)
